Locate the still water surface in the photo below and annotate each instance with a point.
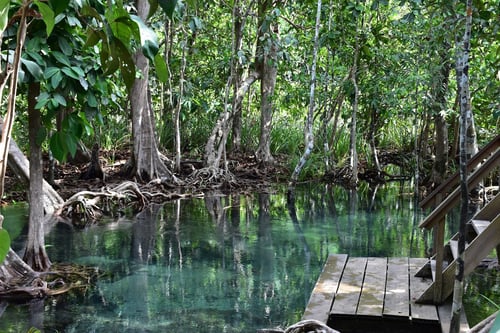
(217, 264)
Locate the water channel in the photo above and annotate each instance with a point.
(216, 264)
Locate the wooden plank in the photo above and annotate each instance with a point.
(444, 311)
(417, 286)
(490, 210)
(347, 297)
(324, 291)
(371, 302)
(396, 292)
(480, 225)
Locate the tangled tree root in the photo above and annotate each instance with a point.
(18, 283)
(211, 178)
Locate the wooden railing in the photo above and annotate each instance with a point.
(445, 201)
(440, 192)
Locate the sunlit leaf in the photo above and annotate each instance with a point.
(149, 40)
(161, 68)
(4, 14)
(4, 244)
(47, 16)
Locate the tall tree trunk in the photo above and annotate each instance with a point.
(237, 73)
(309, 130)
(465, 118)
(147, 162)
(218, 138)
(35, 254)
(267, 66)
(439, 90)
(353, 153)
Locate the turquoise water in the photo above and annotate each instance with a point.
(217, 264)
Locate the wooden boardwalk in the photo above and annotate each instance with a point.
(374, 294)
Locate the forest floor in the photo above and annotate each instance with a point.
(245, 175)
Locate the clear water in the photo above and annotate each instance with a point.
(218, 264)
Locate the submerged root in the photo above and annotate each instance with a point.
(60, 280)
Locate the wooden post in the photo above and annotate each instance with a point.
(439, 248)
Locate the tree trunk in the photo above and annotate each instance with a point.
(465, 117)
(353, 153)
(146, 162)
(309, 130)
(218, 138)
(439, 89)
(237, 73)
(267, 66)
(34, 254)
(21, 166)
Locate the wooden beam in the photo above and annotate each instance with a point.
(371, 302)
(324, 291)
(417, 286)
(397, 288)
(347, 297)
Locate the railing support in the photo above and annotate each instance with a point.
(439, 246)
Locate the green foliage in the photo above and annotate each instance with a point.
(47, 16)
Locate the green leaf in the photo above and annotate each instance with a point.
(58, 147)
(33, 68)
(61, 58)
(4, 14)
(42, 100)
(51, 71)
(65, 46)
(47, 16)
(93, 37)
(4, 244)
(69, 72)
(168, 7)
(91, 100)
(41, 135)
(149, 40)
(161, 68)
(56, 80)
(60, 99)
(153, 7)
(71, 144)
(59, 6)
(127, 65)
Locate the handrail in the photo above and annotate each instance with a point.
(446, 186)
(451, 200)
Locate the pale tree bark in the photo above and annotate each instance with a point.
(465, 118)
(34, 253)
(178, 108)
(309, 128)
(353, 153)
(267, 66)
(216, 143)
(147, 162)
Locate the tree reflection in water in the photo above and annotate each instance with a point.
(224, 263)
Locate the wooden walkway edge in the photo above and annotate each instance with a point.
(375, 290)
